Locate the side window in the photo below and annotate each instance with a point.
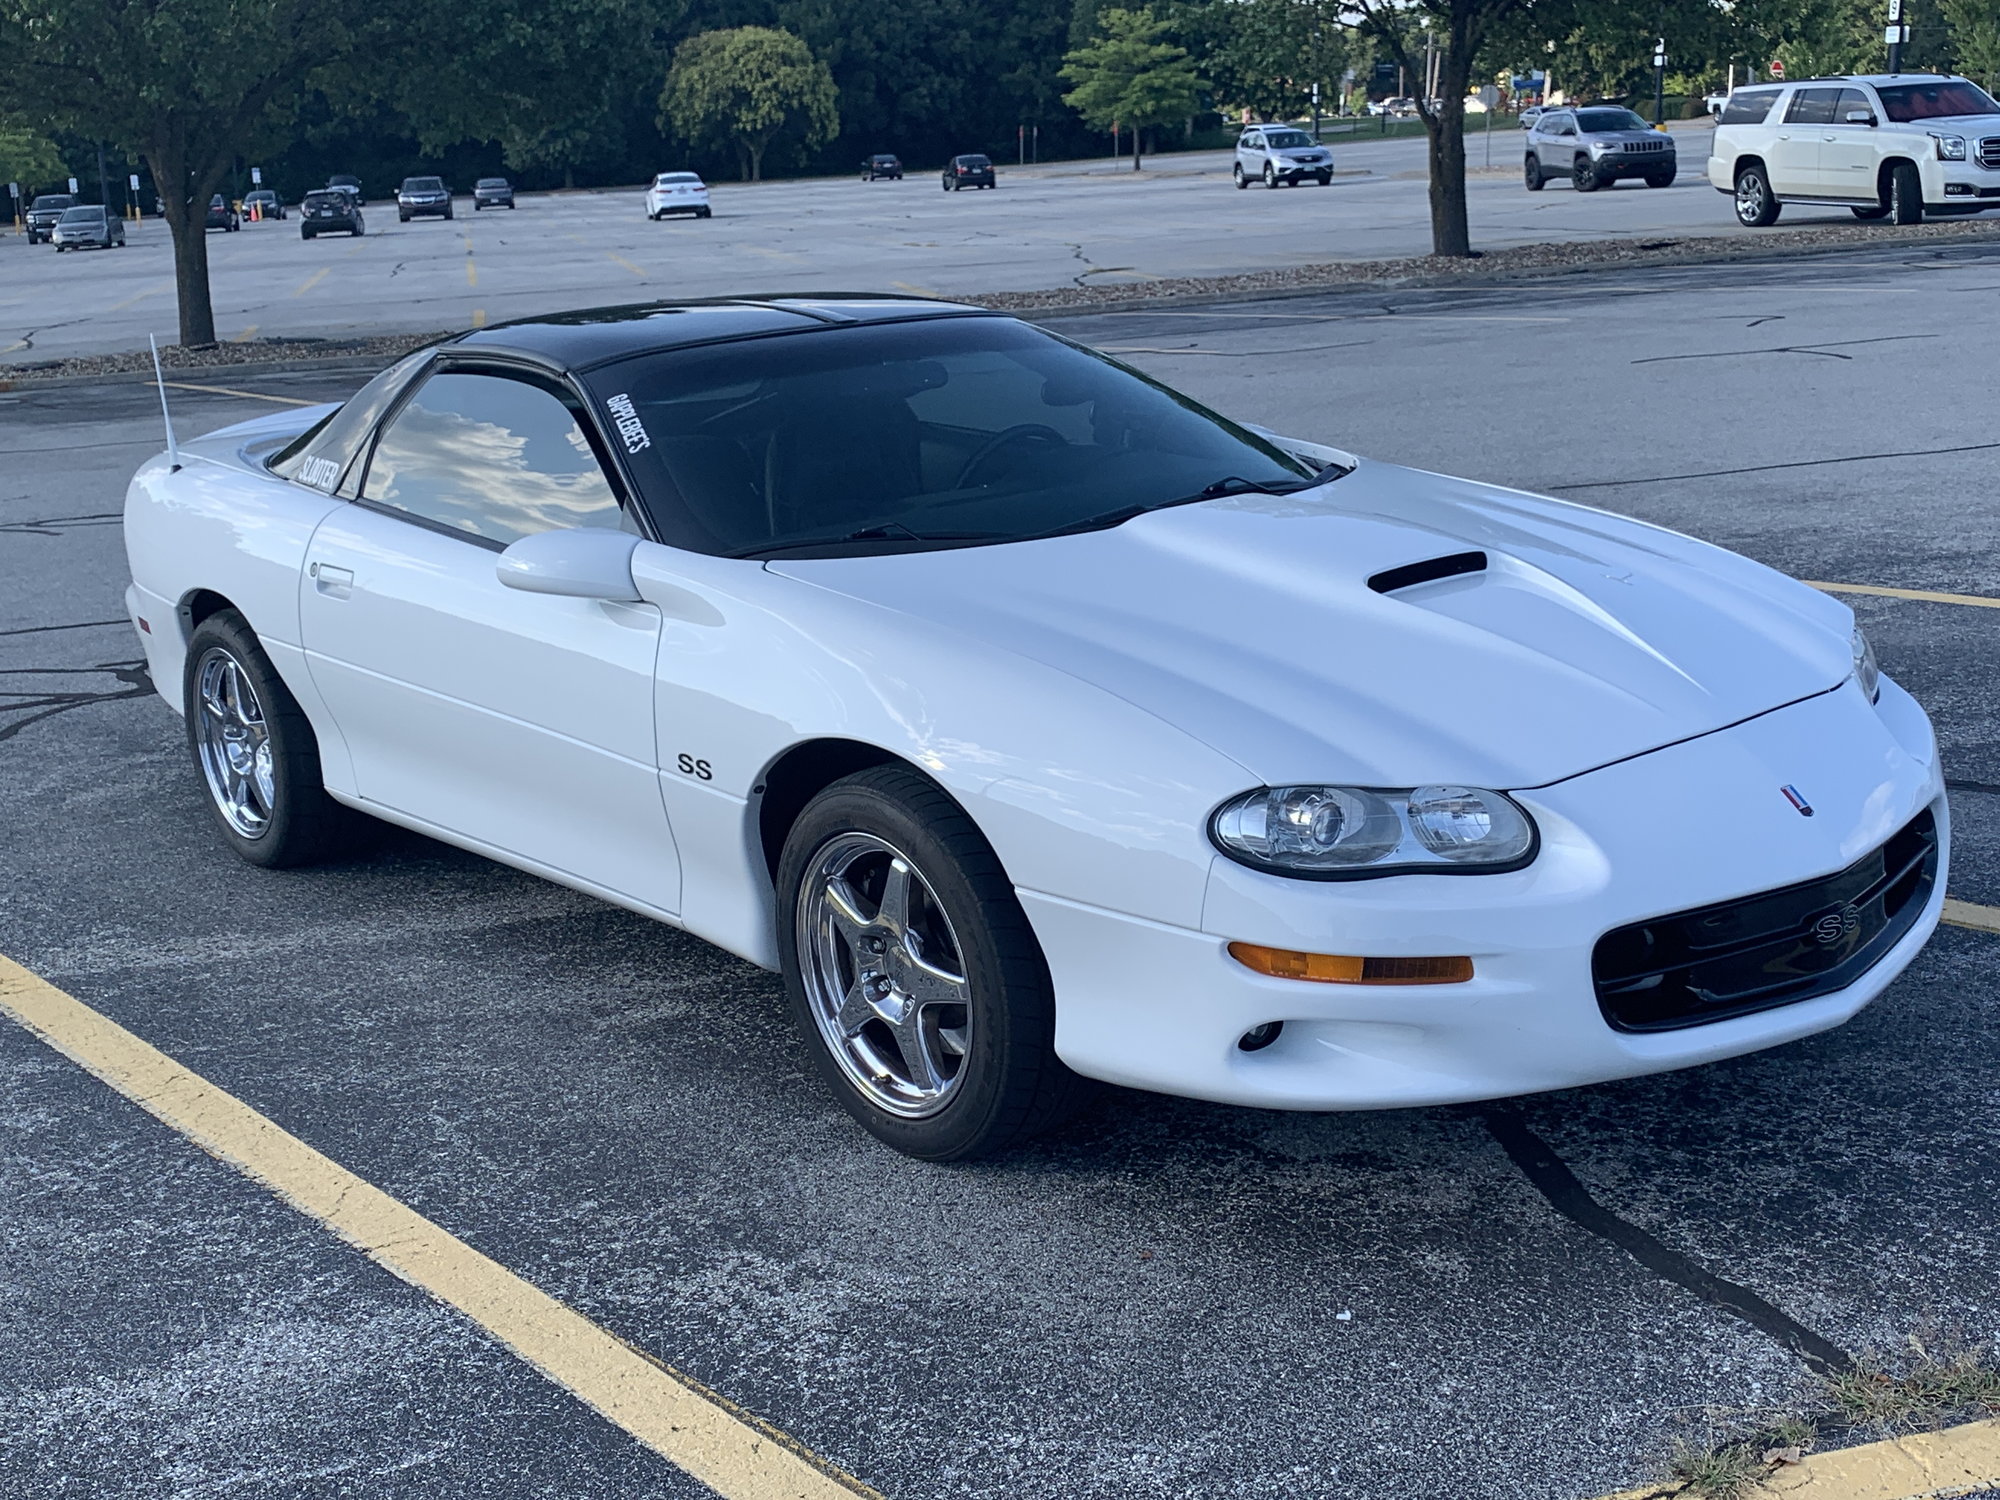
(492, 457)
(1851, 100)
(1748, 107)
(1812, 107)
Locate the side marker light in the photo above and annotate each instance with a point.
(1338, 968)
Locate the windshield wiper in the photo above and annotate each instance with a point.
(894, 531)
(1229, 484)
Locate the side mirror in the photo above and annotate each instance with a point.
(1860, 117)
(585, 563)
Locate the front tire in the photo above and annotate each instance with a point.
(1871, 214)
(1270, 175)
(1583, 176)
(1324, 179)
(1660, 179)
(1531, 174)
(1757, 206)
(1906, 194)
(256, 752)
(913, 972)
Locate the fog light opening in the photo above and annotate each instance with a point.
(1257, 1038)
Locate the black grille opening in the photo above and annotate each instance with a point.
(1776, 948)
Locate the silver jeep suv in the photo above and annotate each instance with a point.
(1281, 153)
(1596, 145)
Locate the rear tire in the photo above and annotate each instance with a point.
(1237, 172)
(256, 753)
(973, 1069)
(1531, 173)
(1906, 194)
(1757, 207)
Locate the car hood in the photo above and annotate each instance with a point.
(1250, 623)
(1950, 124)
(1628, 137)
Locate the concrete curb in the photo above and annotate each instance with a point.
(1953, 1461)
(1477, 280)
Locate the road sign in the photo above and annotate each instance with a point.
(1895, 12)
(72, 184)
(257, 176)
(1777, 68)
(134, 181)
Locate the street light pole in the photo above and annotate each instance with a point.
(1660, 80)
(1896, 35)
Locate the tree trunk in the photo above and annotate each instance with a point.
(187, 224)
(1451, 233)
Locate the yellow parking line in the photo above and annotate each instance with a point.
(246, 335)
(1929, 596)
(471, 271)
(1970, 914)
(479, 317)
(911, 286)
(312, 281)
(732, 1452)
(230, 390)
(639, 271)
(151, 291)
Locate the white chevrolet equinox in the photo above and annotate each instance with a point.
(1896, 145)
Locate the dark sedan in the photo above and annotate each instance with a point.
(43, 214)
(419, 197)
(266, 203)
(221, 215)
(882, 165)
(492, 192)
(968, 171)
(330, 211)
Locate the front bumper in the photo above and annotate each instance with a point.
(419, 210)
(1159, 1007)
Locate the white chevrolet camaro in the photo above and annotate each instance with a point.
(1039, 724)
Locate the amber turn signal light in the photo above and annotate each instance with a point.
(1339, 968)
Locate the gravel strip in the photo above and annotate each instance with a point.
(382, 348)
(1417, 270)
(1491, 264)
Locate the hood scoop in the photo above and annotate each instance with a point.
(1409, 575)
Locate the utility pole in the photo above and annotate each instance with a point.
(1896, 35)
(1660, 79)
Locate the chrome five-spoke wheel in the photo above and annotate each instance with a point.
(234, 742)
(884, 975)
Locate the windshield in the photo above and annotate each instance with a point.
(424, 185)
(1609, 119)
(81, 212)
(1287, 138)
(880, 438)
(1904, 102)
(53, 200)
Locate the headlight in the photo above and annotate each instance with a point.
(1600, 147)
(1355, 833)
(1865, 671)
(1950, 147)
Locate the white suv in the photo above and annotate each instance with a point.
(1885, 145)
(1281, 153)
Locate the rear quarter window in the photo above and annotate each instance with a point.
(1748, 107)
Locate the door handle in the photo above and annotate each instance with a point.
(335, 583)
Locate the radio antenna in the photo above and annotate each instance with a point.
(159, 376)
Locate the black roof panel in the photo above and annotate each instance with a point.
(590, 336)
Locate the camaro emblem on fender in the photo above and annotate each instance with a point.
(1831, 927)
(1793, 796)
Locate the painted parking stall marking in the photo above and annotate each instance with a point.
(733, 1452)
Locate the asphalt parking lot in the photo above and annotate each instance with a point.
(1170, 1299)
(1053, 226)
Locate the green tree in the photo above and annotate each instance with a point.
(1974, 28)
(27, 157)
(189, 86)
(747, 87)
(1131, 75)
(1266, 55)
(1461, 30)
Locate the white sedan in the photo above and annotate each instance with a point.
(1039, 724)
(677, 193)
